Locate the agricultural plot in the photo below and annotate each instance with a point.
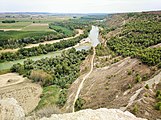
(24, 26)
(20, 34)
(61, 29)
(17, 25)
(37, 27)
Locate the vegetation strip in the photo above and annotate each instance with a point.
(60, 71)
(135, 39)
(41, 49)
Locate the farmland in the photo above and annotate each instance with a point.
(17, 25)
(28, 29)
(37, 27)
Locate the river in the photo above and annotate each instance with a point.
(93, 36)
(94, 33)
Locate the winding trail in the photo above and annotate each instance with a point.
(43, 43)
(84, 78)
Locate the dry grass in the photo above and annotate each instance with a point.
(47, 111)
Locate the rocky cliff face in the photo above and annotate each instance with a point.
(99, 114)
(10, 110)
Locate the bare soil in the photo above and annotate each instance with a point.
(26, 93)
(11, 29)
(10, 79)
(113, 87)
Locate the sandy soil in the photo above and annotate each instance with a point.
(26, 93)
(11, 29)
(108, 84)
(10, 79)
(43, 43)
(38, 24)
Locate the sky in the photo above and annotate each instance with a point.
(79, 6)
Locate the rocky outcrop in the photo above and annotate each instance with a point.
(99, 114)
(26, 94)
(10, 110)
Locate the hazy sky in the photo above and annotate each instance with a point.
(78, 6)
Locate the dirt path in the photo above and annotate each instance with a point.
(43, 43)
(10, 79)
(12, 29)
(84, 78)
(26, 93)
(156, 46)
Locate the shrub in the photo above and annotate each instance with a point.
(158, 93)
(145, 77)
(147, 86)
(138, 78)
(135, 109)
(8, 21)
(79, 104)
(62, 97)
(129, 86)
(129, 72)
(18, 68)
(159, 97)
(41, 77)
(146, 95)
(158, 106)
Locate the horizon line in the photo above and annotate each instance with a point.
(5, 12)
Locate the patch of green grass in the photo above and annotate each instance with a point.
(63, 30)
(22, 34)
(4, 71)
(37, 27)
(50, 96)
(17, 25)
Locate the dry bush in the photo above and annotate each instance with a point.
(47, 111)
(41, 77)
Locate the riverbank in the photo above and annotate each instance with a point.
(43, 43)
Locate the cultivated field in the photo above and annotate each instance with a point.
(37, 27)
(12, 26)
(25, 22)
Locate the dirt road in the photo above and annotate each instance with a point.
(43, 43)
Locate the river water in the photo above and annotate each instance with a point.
(94, 33)
(93, 36)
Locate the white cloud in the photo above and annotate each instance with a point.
(79, 6)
